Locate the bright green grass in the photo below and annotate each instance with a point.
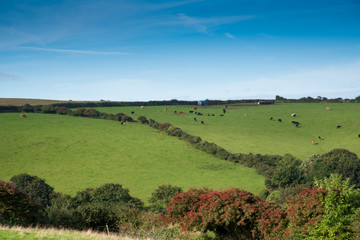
(74, 153)
(257, 134)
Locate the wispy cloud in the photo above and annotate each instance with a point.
(202, 24)
(8, 77)
(73, 51)
(229, 35)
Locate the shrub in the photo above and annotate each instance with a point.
(142, 119)
(338, 161)
(161, 196)
(48, 109)
(16, 204)
(62, 110)
(93, 113)
(231, 213)
(27, 108)
(79, 112)
(35, 187)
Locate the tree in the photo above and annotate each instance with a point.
(16, 204)
(161, 196)
(338, 161)
(341, 204)
(27, 108)
(35, 187)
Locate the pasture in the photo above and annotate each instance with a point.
(74, 153)
(255, 133)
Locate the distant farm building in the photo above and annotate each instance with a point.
(203, 102)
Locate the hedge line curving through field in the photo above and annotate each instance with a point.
(282, 173)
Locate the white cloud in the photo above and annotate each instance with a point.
(73, 51)
(229, 35)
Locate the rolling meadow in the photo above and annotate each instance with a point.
(255, 133)
(74, 153)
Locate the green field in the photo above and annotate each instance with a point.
(255, 133)
(74, 153)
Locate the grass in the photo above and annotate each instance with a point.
(74, 153)
(255, 133)
(54, 234)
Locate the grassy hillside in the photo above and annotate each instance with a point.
(74, 153)
(255, 133)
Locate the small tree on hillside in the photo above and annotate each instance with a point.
(161, 196)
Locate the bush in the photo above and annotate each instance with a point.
(16, 204)
(161, 196)
(93, 113)
(338, 161)
(27, 108)
(35, 187)
(48, 109)
(232, 213)
(142, 119)
(79, 112)
(62, 110)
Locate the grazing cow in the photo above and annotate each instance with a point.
(295, 122)
(191, 111)
(23, 115)
(328, 108)
(320, 138)
(225, 106)
(293, 114)
(339, 126)
(221, 115)
(224, 111)
(279, 120)
(195, 119)
(358, 135)
(312, 141)
(271, 118)
(165, 109)
(202, 122)
(142, 107)
(122, 123)
(212, 114)
(246, 115)
(194, 108)
(132, 112)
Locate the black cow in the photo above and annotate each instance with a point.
(224, 111)
(132, 112)
(191, 111)
(320, 138)
(279, 120)
(195, 119)
(358, 135)
(271, 118)
(212, 114)
(221, 115)
(338, 126)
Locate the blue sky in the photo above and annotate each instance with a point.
(187, 49)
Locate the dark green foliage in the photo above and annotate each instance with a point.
(48, 109)
(63, 110)
(79, 112)
(164, 126)
(287, 173)
(16, 204)
(142, 119)
(338, 161)
(93, 113)
(35, 187)
(27, 108)
(161, 196)
(126, 118)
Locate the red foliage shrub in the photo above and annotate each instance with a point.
(232, 212)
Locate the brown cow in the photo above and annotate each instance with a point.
(23, 115)
(202, 122)
(194, 108)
